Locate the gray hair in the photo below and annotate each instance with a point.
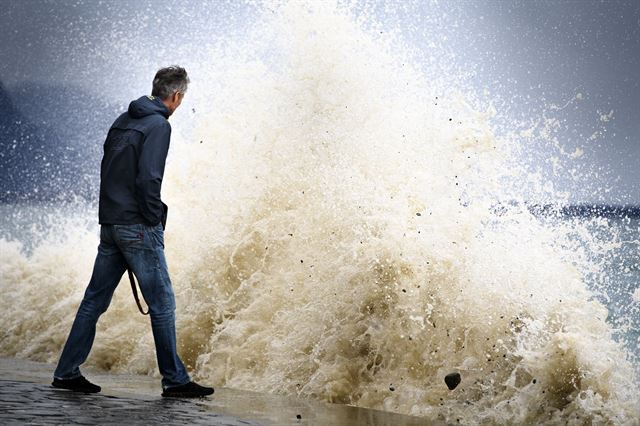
(170, 80)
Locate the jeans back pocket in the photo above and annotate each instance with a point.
(130, 235)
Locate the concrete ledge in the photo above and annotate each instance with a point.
(27, 397)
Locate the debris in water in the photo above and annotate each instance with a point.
(452, 380)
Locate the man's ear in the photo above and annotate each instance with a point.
(176, 97)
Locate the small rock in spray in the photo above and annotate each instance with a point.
(452, 380)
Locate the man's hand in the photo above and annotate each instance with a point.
(164, 216)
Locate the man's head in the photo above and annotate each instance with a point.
(170, 85)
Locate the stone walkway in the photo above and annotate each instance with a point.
(27, 397)
(24, 402)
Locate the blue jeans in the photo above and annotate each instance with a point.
(141, 248)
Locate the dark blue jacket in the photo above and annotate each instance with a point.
(132, 167)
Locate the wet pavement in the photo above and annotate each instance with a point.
(27, 397)
(25, 402)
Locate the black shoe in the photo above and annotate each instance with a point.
(189, 390)
(79, 384)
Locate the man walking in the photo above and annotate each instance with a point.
(132, 218)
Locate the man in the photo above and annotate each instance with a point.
(132, 218)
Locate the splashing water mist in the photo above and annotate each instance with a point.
(332, 237)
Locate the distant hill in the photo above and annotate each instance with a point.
(588, 210)
(572, 210)
(50, 141)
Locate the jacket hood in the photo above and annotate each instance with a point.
(147, 105)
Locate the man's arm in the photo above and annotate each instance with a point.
(150, 172)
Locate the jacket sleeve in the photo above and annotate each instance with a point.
(150, 172)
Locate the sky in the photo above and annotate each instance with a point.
(581, 56)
